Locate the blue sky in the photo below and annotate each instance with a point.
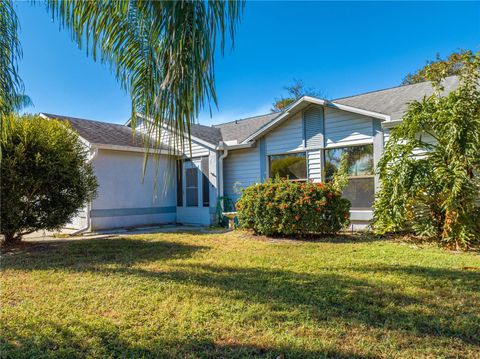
(339, 48)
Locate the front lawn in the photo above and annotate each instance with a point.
(232, 296)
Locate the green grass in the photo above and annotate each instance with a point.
(232, 296)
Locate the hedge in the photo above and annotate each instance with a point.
(282, 207)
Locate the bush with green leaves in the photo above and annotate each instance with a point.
(45, 179)
(430, 170)
(282, 207)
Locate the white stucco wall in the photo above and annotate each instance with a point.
(126, 198)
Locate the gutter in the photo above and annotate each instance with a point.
(222, 147)
(133, 149)
(390, 124)
(89, 204)
(241, 146)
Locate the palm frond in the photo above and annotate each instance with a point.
(162, 52)
(11, 86)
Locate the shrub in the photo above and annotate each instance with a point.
(282, 207)
(432, 188)
(45, 176)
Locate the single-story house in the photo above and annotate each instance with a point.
(304, 142)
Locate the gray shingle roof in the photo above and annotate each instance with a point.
(101, 132)
(114, 134)
(394, 101)
(209, 134)
(240, 129)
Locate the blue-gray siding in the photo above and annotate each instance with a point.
(241, 168)
(315, 165)
(313, 118)
(346, 128)
(287, 137)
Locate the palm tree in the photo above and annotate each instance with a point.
(162, 52)
(10, 51)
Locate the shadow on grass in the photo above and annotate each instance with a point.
(92, 254)
(335, 295)
(467, 279)
(357, 237)
(109, 342)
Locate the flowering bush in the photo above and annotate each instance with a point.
(282, 207)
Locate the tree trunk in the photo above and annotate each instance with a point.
(11, 238)
(450, 220)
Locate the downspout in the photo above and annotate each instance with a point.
(89, 204)
(222, 147)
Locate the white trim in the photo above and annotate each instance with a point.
(240, 146)
(360, 111)
(391, 124)
(317, 101)
(102, 146)
(366, 141)
(221, 180)
(265, 128)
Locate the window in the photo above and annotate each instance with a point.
(361, 188)
(292, 166)
(191, 184)
(205, 182)
(179, 183)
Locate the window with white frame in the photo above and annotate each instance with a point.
(292, 166)
(361, 187)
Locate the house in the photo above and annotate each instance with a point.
(305, 142)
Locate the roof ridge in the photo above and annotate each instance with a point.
(206, 126)
(385, 89)
(248, 118)
(81, 119)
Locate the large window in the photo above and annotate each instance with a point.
(361, 188)
(292, 166)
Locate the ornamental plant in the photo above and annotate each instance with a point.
(432, 188)
(283, 207)
(46, 177)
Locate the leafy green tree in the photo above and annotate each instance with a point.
(46, 177)
(296, 90)
(433, 187)
(446, 67)
(162, 52)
